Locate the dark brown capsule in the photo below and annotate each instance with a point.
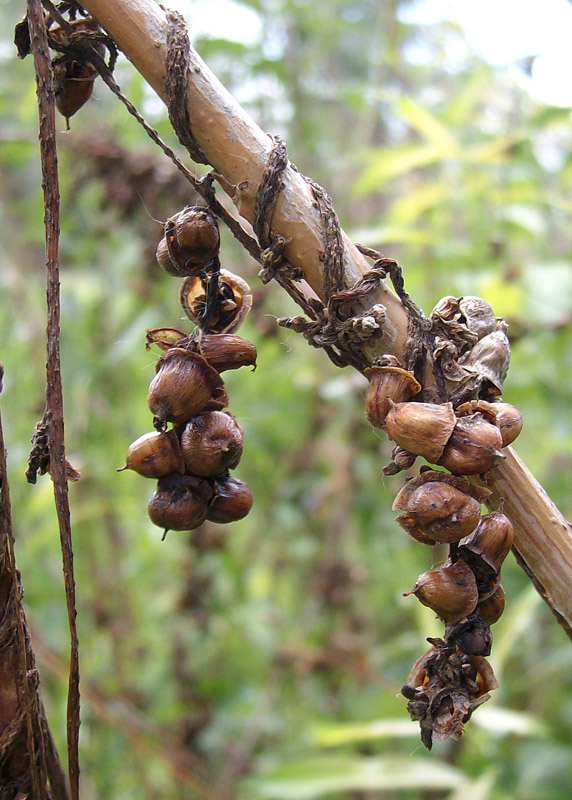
(211, 444)
(182, 387)
(73, 93)
(191, 241)
(439, 507)
(474, 446)
(227, 351)
(232, 500)
(180, 502)
(450, 590)
(154, 455)
(486, 548)
(421, 428)
(385, 384)
(491, 609)
(444, 513)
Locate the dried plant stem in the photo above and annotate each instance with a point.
(238, 149)
(54, 414)
(28, 757)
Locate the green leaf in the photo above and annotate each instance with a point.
(328, 735)
(427, 125)
(314, 777)
(500, 721)
(383, 165)
(479, 789)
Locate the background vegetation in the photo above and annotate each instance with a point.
(267, 656)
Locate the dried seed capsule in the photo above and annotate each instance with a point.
(491, 609)
(507, 417)
(180, 502)
(472, 637)
(73, 93)
(450, 590)
(182, 387)
(232, 500)
(165, 338)
(473, 447)
(509, 421)
(191, 241)
(385, 384)
(211, 443)
(421, 428)
(489, 545)
(233, 303)
(154, 455)
(226, 351)
(490, 358)
(400, 460)
(472, 312)
(443, 512)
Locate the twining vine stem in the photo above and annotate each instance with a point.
(238, 150)
(54, 414)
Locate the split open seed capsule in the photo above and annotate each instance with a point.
(233, 302)
(211, 443)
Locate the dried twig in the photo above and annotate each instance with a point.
(54, 416)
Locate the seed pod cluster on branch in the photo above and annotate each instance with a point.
(193, 458)
(463, 432)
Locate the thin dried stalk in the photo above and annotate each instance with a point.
(54, 414)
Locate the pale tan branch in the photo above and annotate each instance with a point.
(237, 148)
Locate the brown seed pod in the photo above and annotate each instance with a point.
(154, 455)
(507, 417)
(385, 384)
(486, 548)
(443, 512)
(472, 636)
(421, 428)
(473, 447)
(232, 500)
(400, 460)
(211, 443)
(450, 590)
(233, 303)
(191, 241)
(491, 609)
(182, 387)
(472, 312)
(226, 351)
(180, 502)
(490, 358)
(165, 338)
(73, 93)
(486, 680)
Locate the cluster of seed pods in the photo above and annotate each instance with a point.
(453, 677)
(193, 457)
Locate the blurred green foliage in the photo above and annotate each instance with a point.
(271, 665)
